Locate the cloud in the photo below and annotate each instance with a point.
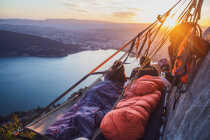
(135, 9)
(124, 15)
(102, 6)
(75, 7)
(114, 10)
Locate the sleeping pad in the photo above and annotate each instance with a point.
(84, 117)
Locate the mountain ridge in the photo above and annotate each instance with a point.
(19, 44)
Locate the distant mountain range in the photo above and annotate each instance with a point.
(90, 35)
(18, 44)
(72, 24)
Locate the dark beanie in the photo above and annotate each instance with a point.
(147, 71)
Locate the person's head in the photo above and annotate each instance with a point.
(147, 71)
(144, 61)
(116, 73)
(179, 32)
(164, 65)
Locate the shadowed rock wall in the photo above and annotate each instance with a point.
(191, 118)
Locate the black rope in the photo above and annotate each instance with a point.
(130, 50)
(148, 44)
(96, 73)
(142, 45)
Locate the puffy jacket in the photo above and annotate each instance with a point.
(130, 116)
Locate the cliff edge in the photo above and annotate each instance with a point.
(190, 120)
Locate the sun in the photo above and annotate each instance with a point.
(170, 22)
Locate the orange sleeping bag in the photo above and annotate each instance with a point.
(130, 116)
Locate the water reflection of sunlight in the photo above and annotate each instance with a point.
(94, 58)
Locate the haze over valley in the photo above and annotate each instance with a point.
(78, 35)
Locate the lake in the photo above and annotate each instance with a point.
(28, 82)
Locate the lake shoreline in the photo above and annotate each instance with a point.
(63, 56)
(33, 82)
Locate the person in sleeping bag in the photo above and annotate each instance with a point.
(129, 118)
(84, 117)
(145, 63)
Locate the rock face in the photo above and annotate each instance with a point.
(206, 34)
(191, 118)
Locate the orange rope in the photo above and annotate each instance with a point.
(105, 61)
(124, 46)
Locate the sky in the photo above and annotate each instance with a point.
(125, 11)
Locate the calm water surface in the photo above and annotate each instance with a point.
(28, 82)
